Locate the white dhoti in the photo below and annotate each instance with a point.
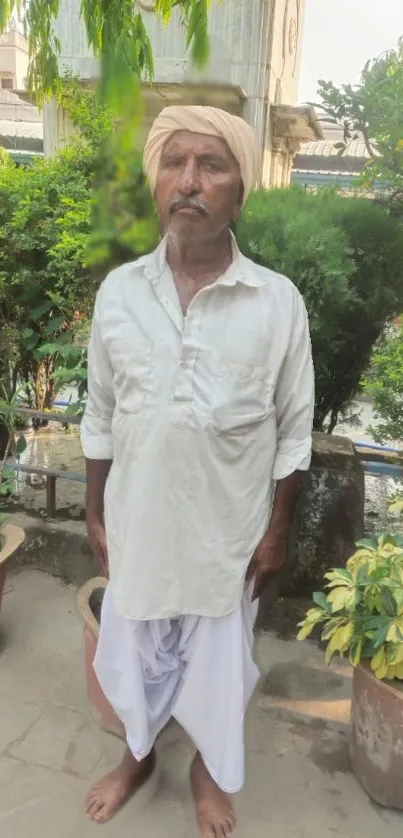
(198, 670)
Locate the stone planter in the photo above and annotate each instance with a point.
(11, 538)
(89, 601)
(376, 746)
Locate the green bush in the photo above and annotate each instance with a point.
(64, 222)
(384, 384)
(346, 257)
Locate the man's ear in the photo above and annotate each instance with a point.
(241, 194)
(238, 205)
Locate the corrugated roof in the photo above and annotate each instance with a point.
(32, 130)
(333, 134)
(326, 148)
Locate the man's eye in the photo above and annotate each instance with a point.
(212, 166)
(171, 163)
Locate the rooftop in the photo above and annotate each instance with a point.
(323, 155)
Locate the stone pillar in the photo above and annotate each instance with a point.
(329, 517)
(328, 520)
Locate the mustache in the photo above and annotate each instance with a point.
(187, 203)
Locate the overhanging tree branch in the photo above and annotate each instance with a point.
(115, 32)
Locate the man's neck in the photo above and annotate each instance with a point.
(200, 259)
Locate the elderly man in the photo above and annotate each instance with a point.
(197, 428)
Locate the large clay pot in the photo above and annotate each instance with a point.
(89, 601)
(11, 538)
(376, 746)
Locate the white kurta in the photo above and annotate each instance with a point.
(200, 414)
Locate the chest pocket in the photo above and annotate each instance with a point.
(133, 375)
(244, 395)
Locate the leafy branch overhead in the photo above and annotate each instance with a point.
(116, 32)
(372, 110)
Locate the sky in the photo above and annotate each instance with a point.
(341, 35)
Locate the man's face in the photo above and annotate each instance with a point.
(199, 189)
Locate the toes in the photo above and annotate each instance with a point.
(100, 817)
(92, 797)
(101, 814)
(88, 802)
(94, 809)
(231, 822)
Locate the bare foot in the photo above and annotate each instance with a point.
(214, 810)
(107, 796)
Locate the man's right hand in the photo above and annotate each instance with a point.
(97, 538)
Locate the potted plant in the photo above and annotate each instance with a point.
(361, 616)
(11, 536)
(89, 602)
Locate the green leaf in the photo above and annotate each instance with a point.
(338, 577)
(320, 599)
(54, 325)
(20, 445)
(337, 599)
(356, 651)
(31, 341)
(368, 543)
(41, 309)
(388, 602)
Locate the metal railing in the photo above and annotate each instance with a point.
(50, 475)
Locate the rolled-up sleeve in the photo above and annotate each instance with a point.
(96, 436)
(295, 399)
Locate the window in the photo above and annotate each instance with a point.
(7, 84)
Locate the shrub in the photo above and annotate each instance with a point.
(59, 236)
(384, 384)
(345, 255)
(362, 611)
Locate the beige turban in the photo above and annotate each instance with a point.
(200, 119)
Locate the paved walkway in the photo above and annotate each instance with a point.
(299, 783)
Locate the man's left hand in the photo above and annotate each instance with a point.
(267, 560)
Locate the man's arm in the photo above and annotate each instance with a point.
(96, 439)
(97, 475)
(294, 398)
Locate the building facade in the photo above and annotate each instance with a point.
(13, 59)
(253, 71)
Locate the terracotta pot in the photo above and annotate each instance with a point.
(376, 746)
(89, 601)
(11, 538)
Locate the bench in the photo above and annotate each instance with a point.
(51, 476)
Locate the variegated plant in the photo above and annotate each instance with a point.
(362, 609)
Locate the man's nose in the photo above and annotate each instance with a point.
(189, 182)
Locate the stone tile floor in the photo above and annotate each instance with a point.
(299, 782)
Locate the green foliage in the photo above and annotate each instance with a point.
(45, 220)
(15, 446)
(64, 222)
(374, 109)
(362, 609)
(345, 255)
(5, 159)
(115, 32)
(384, 384)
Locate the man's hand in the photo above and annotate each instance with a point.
(97, 538)
(266, 561)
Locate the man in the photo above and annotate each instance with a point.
(200, 402)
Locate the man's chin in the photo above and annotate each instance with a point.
(182, 224)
